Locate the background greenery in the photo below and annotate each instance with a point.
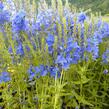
(95, 5)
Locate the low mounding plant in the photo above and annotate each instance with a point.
(52, 58)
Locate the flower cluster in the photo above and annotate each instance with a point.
(37, 71)
(4, 15)
(19, 23)
(64, 37)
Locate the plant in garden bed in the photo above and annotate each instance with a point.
(58, 59)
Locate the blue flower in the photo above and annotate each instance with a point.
(69, 45)
(99, 23)
(68, 58)
(37, 70)
(76, 55)
(98, 36)
(36, 27)
(62, 62)
(1, 6)
(50, 49)
(19, 49)
(4, 77)
(81, 17)
(95, 53)
(92, 47)
(34, 45)
(27, 48)
(31, 73)
(76, 107)
(4, 16)
(54, 71)
(75, 45)
(43, 71)
(105, 57)
(55, 29)
(19, 23)
(0, 79)
(61, 59)
(43, 21)
(50, 40)
(105, 71)
(10, 50)
(60, 49)
(82, 41)
(65, 66)
(105, 30)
